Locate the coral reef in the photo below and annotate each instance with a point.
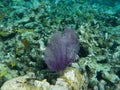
(65, 82)
(26, 27)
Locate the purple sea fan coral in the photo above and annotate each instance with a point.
(61, 50)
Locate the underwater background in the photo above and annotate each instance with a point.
(60, 44)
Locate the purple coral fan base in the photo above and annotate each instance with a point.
(62, 50)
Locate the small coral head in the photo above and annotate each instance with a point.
(61, 50)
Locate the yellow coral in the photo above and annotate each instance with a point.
(3, 73)
(24, 30)
(12, 63)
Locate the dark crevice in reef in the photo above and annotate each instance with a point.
(49, 75)
(104, 61)
(118, 73)
(99, 76)
(83, 51)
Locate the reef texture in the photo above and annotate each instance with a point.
(26, 28)
(65, 82)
